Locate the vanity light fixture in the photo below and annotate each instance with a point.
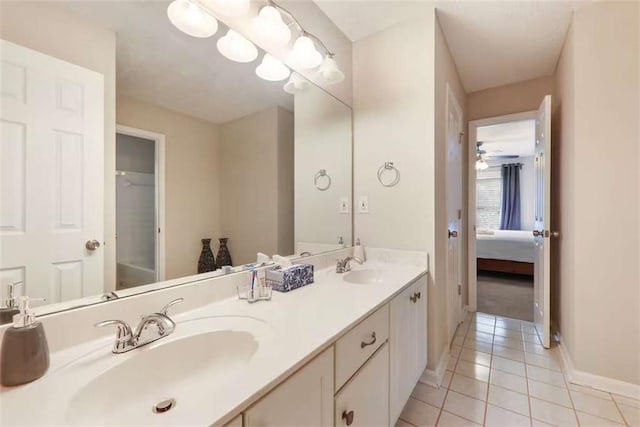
(269, 27)
(481, 164)
(237, 48)
(296, 84)
(231, 8)
(304, 54)
(272, 69)
(329, 71)
(190, 18)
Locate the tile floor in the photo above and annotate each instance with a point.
(500, 375)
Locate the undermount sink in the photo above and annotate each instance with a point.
(366, 276)
(130, 391)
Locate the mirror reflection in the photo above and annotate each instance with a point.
(134, 154)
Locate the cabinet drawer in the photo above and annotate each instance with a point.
(364, 401)
(354, 348)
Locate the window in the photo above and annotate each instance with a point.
(488, 199)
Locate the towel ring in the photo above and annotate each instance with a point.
(316, 180)
(388, 166)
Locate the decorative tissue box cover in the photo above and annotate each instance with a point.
(287, 279)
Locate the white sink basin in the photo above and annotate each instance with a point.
(170, 368)
(366, 276)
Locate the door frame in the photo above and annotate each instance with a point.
(452, 102)
(472, 265)
(159, 141)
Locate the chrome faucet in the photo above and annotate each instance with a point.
(342, 265)
(151, 328)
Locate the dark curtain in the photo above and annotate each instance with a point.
(510, 207)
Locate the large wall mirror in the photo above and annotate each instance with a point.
(129, 149)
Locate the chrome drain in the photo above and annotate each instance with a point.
(164, 406)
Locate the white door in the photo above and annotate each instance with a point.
(454, 213)
(51, 176)
(542, 233)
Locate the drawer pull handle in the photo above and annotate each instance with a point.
(365, 344)
(418, 294)
(348, 417)
(413, 298)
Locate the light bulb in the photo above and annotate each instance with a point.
(481, 164)
(236, 48)
(234, 8)
(190, 18)
(272, 69)
(304, 54)
(329, 71)
(269, 28)
(296, 84)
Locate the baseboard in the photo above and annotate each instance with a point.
(434, 377)
(610, 385)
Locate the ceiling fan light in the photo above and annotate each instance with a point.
(269, 28)
(329, 71)
(296, 84)
(271, 69)
(190, 18)
(304, 54)
(237, 48)
(231, 8)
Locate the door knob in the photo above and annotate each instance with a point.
(555, 234)
(92, 245)
(453, 234)
(348, 417)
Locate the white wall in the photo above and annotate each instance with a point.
(596, 192)
(323, 139)
(53, 33)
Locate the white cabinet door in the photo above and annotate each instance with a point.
(364, 400)
(408, 344)
(51, 175)
(304, 399)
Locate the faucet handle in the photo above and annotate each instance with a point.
(166, 308)
(124, 330)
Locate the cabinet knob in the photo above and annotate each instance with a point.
(364, 344)
(418, 294)
(347, 417)
(413, 298)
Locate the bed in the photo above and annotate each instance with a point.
(505, 251)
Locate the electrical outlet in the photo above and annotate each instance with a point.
(344, 205)
(363, 204)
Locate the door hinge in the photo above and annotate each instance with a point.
(459, 290)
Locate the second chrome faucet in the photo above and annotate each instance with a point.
(151, 328)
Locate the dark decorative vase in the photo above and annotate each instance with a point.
(224, 257)
(206, 262)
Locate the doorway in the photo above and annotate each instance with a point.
(502, 215)
(139, 207)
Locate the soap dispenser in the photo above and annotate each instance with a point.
(358, 251)
(9, 305)
(25, 352)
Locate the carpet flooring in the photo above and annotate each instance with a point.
(506, 295)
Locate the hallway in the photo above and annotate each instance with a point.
(499, 375)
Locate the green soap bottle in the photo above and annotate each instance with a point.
(25, 352)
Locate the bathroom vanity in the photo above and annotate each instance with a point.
(346, 350)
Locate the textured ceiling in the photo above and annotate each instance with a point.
(158, 64)
(513, 138)
(493, 43)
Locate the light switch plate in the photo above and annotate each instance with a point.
(363, 204)
(344, 205)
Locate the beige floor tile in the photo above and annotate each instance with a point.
(508, 365)
(509, 381)
(551, 393)
(480, 336)
(451, 364)
(401, 423)
(552, 414)
(455, 351)
(587, 420)
(508, 353)
(474, 356)
(625, 400)
(505, 323)
(508, 399)
(531, 338)
(472, 370)
(538, 349)
(469, 386)
(546, 376)
(419, 413)
(603, 408)
(450, 420)
(590, 391)
(465, 407)
(446, 379)
(538, 423)
(529, 329)
(630, 414)
(508, 333)
(428, 394)
(512, 343)
(502, 418)
(478, 346)
(483, 327)
(458, 341)
(485, 317)
(541, 361)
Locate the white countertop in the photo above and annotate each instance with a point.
(291, 329)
